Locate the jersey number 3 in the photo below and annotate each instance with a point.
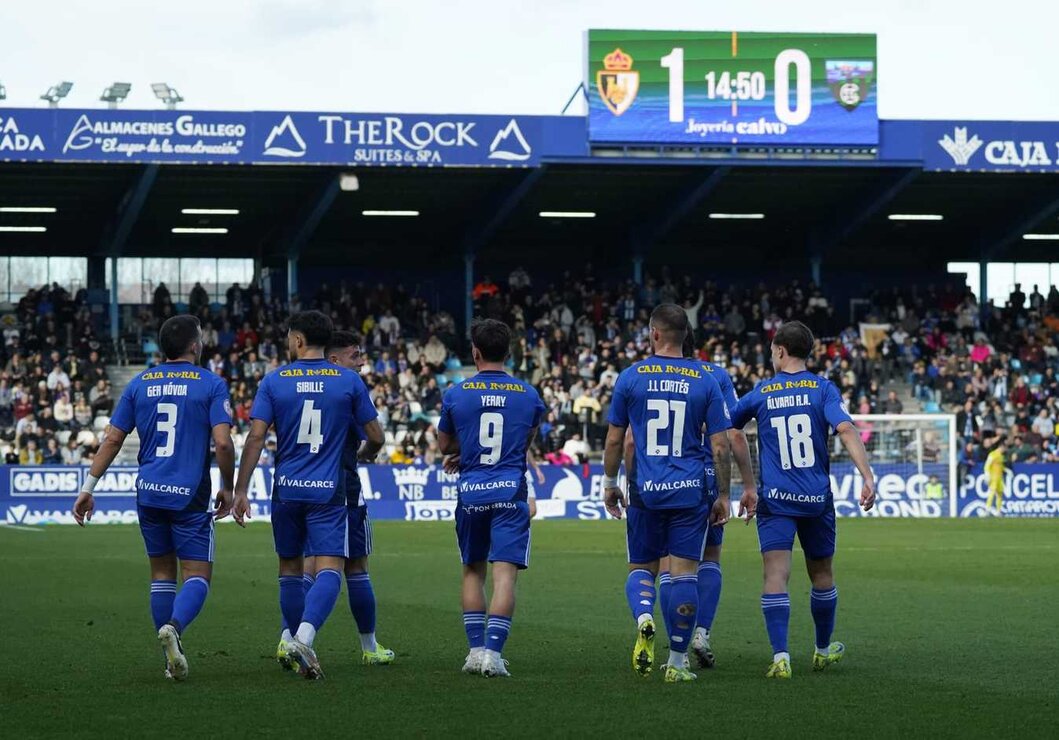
(168, 428)
(795, 437)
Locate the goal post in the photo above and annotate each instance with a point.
(906, 451)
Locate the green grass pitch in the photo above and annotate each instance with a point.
(951, 627)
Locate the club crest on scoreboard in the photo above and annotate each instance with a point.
(617, 82)
(849, 81)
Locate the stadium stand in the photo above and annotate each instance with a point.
(932, 350)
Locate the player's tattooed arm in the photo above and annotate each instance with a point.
(722, 463)
(613, 499)
(113, 439)
(850, 436)
(376, 437)
(255, 442)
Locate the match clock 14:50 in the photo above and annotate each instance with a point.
(792, 70)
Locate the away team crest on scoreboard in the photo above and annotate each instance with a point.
(712, 87)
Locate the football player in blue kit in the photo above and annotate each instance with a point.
(489, 421)
(178, 409)
(796, 411)
(670, 403)
(344, 350)
(709, 573)
(312, 403)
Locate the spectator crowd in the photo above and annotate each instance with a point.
(925, 348)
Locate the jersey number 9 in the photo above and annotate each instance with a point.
(491, 437)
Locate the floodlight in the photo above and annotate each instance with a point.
(116, 93)
(166, 94)
(56, 93)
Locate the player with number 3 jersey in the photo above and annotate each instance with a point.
(311, 402)
(176, 408)
(796, 411)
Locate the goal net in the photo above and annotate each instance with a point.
(913, 457)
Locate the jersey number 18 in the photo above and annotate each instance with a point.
(795, 437)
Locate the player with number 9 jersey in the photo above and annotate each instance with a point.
(488, 422)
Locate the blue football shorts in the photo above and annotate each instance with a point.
(361, 539)
(187, 533)
(654, 533)
(304, 528)
(815, 533)
(497, 532)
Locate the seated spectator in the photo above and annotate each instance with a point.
(52, 455)
(30, 454)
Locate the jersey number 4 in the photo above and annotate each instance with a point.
(795, 437)
(310, 428)
(664, 410)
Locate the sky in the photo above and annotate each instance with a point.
(941, 59)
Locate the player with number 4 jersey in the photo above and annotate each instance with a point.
(488, 422)
(312, 403)
(796, 411)
(176, 408)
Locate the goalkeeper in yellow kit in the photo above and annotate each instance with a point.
(994, 469)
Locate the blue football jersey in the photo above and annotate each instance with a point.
(492, 415)
(724, 380)
(669, 402)
(311, 402)
(795, 413)
(174, 408)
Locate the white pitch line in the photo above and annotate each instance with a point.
(21, 528)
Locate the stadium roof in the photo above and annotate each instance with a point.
(656, 207)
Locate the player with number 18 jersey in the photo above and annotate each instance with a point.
(796, 413)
